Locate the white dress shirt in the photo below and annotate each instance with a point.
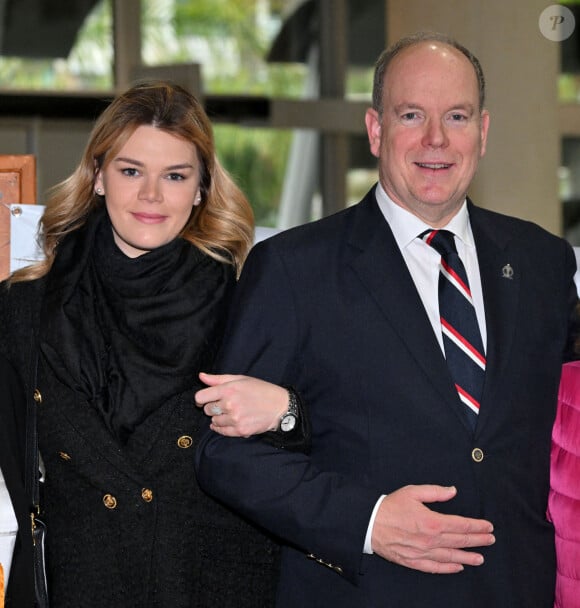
(423, 263)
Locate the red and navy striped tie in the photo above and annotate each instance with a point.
(461, 336)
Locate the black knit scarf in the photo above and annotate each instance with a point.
(128, 333)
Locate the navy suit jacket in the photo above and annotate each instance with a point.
(331, 309)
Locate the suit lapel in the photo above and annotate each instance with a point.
(499, 266)
(379, 264)
(88, 423)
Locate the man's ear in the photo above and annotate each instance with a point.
(484, 129)
(373, 124)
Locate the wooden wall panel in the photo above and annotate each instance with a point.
(17, 185)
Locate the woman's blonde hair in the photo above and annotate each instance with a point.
(222, 225)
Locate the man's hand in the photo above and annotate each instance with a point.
(241, 406)
(408, 533)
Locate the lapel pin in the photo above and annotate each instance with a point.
(507, 272)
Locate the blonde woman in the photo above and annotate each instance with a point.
(143, 243)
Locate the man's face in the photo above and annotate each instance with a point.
(432, 132)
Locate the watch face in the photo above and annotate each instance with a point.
(288, 423)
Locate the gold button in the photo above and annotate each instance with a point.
(37, 396)
(146, 494)
(477, 454)
(185, 441)
(64, 455)
(109, 501)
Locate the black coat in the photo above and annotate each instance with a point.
(128, 525)
(20, 589)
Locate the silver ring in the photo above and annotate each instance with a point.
(215, 410)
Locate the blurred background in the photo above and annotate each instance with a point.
(286, 84)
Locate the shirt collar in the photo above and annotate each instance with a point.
(406, 226)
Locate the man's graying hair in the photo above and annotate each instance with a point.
(391, 52)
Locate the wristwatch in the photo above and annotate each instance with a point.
(289, 419)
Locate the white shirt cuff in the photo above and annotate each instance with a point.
(368, 547)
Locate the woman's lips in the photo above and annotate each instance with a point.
(149, 218)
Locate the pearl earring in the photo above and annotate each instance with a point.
(99, 191)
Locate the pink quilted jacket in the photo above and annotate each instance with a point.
(564, 501)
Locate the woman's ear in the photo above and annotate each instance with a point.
(99, 188)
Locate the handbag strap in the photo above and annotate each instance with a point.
(32, 472)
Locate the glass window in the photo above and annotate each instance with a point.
(569, 79)
(229, 39)
(63, 53)
(256, 159)
(249, 52)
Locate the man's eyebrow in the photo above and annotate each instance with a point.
(408, 105)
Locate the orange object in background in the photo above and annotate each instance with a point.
(1, 586)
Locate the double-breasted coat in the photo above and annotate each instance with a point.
(128, 525)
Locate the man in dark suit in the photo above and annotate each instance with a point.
(415, 492)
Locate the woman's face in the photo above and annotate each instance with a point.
(150, 188)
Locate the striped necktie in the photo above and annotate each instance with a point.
(461, 336)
